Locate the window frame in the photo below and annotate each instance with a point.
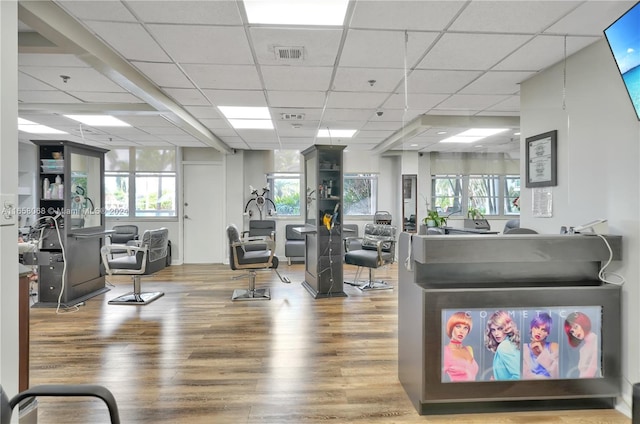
(466, 200)
(132, 175)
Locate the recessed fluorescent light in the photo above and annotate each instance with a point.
(459, 139)
(34, 128)
(336, 133)
(245, 112)
(298, 12)
(259, 124)
(99, 120)
(474, 134)
(413, 145)
(441, 132)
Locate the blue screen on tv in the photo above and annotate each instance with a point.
(623, 37)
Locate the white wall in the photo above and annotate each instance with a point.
(598, 158)
(9, 186)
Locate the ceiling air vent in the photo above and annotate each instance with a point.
(289, 54)
(292, 116)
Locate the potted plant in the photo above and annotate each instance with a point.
(474, 213)
(433, 219)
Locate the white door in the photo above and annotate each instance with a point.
(203, 225)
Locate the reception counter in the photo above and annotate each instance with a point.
(471, 311)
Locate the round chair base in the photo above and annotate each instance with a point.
(375, 285)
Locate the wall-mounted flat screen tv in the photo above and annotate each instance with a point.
(623, 37)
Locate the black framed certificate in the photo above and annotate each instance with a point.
(541, 160)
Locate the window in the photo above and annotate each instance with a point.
(360, 194)
(140, 182)
(284, 190)
(493, 195)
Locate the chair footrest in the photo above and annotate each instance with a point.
(136, 298)
(257, 294)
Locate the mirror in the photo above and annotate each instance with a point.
(85, 191)
(409, 202)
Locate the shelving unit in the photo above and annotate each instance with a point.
(323, 229)
(70, 219)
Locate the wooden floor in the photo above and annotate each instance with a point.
(194, 356)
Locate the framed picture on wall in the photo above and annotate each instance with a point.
(541, 160)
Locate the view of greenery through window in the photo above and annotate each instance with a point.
(490, 194)
(150, 173)
(360, 194)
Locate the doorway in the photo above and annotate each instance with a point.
(203, 225)
(409, 202)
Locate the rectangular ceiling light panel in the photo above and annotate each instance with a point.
(296, 12)
(34, 128)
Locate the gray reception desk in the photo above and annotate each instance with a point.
(536, 326)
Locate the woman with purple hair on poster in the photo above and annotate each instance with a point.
(540, 357)
(503, 338)
(577, 326)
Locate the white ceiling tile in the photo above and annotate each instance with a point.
(119, 36)
(225, 132)
(146, 121)
(187, 96)
(288, 78)
(102, 97)
(384, 49)
(367, 79)
(50, 60)
(258, 135)
(522, 16)
(320, 44)
(188, 143)
(203, 111)
(28, 83)
(187, 12)
(590, 18)
(204, 44)
(551, 48)
(164, 74)
(470, 101)
(214, 124)
(296, 99)
(444, 82)
(471, 51)
(331, 114)
(380, 134)
(345, 100)
(510, 104)
(411, 15)
(105, 10)
(496, 82)
(236, 97)
(418, 101)
(45, 97)
(382, 125)
(224, 76)
(80, 79)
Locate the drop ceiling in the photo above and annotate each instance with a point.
(404, 74)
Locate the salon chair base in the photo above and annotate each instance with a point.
(257, 294)
(136, 298)
(376, 285)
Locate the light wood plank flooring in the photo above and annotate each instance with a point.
(194, 356)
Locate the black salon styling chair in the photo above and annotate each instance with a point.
(122, 234)
(147, 257)
(58, 390)
(240, 257)
(377, 249)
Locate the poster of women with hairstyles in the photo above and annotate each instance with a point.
(521, 344)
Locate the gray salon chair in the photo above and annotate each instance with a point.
(520, 231)
(510, 225)
(242, 257)
(58, 390)
(122, 234)
(260, 228)
(145, 258)
(378, 249)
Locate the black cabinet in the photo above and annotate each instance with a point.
(323, 230)
(70, 222)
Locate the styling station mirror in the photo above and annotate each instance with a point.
(409, 202)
